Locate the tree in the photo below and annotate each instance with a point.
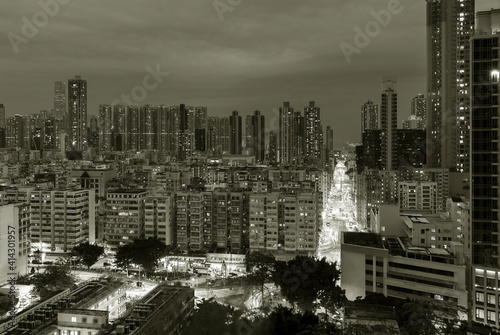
(304, 280)
(212, 318)
(417, 318)
(283, 320)
(54, 278)
(145, 253)
(259, 268)
(87, 253)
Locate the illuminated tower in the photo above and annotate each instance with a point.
(389, 120)
(450, 24)
(60, 99)
(77, 114)
(286, 133)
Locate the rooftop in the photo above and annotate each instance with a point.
(79, 311)
(129, 191)
(411, 219)
(363, 239)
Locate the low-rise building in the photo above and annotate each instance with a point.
(397, 269)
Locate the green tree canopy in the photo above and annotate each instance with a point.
(87, 254)
(212, 318)
(305, 281)
(283, 320)
(145, 253)
(260, 267)
(54, 278)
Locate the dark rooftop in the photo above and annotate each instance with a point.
(363, 239)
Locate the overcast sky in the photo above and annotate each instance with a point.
(225, 54)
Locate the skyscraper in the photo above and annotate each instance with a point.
(119, 138)
(450, 24)
(200, 128)
(286, 133)
(14, 132)
(370, 118)
(105, 127)
(186, 136)
(258, 136)
(236, 133)
(248, 142)
(313, 137)
(2, 116)
(485, 159)
(60, 99)
(419, 110)
(77, 114)
(132, 128)
(329, 139)
(148, 127)
(389, 120)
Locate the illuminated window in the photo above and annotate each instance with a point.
(491, 299)
(479, 313)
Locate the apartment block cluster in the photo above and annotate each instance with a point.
(99, 308)
(205, 204)
(430, 189)
(168, 133)
(168, 172)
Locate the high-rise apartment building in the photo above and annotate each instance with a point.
(105, 127)
(2, 116)
(125, 216)
(60, 99)
(186, 132)
(418, 196)
(148, 127)
(207, 220)
(283, 223)
(370, 117)
(313, 135)
(132, 128)
(194, 219)
(485, 159)
(248, 142)
(286, 133)
(298, 138)
(410, 148)
(93, 132)
(61, 219)
(200, 128)
(329, 139)
(159, 218)
(257, 137)
(388, 122)
(119, 132)
(14, 132)
(77, 114)
(273, 148)
(218, 134)
(450, 24)
(419, 110)
(236, 133)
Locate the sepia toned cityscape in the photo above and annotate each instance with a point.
(248, 167)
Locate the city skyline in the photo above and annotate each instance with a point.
(248, 57)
